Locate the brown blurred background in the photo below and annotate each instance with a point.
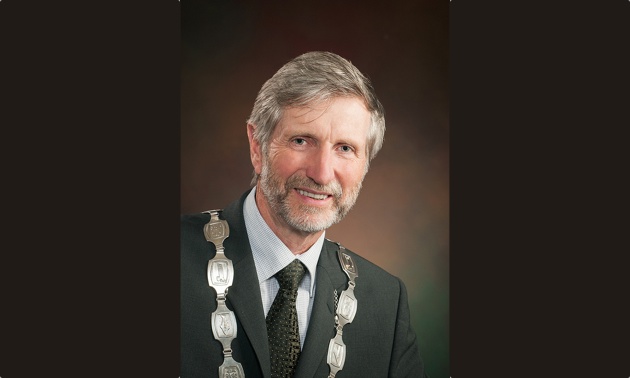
(401, 219)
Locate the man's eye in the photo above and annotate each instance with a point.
(299, 141)
(346, 148)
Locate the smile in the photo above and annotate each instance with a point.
(312, 195)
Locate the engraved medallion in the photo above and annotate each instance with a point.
(347, 306)
(231, 369)
(222, 325)
(220, 272)
(336, 353)
(348, 263)
(216, 231)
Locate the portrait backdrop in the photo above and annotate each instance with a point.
(401, 219)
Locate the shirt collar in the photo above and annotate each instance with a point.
(269, 252)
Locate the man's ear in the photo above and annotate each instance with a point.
(255, 150)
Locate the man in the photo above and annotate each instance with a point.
(263, 292)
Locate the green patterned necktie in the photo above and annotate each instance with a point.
(282, 322)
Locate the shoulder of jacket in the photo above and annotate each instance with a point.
(194, 219)
(364, 265)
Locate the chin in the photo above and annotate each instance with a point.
(312, 223)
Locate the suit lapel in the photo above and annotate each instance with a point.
(244, 294)
(321, 328)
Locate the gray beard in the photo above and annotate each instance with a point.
(305, 218)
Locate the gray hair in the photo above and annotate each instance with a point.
(313, 77)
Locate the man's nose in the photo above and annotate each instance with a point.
(320, 166)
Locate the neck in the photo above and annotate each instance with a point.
(297, 241)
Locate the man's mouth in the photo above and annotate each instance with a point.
(312, 195)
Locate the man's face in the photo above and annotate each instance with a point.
(317, 159)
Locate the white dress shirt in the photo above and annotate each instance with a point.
(271, 255)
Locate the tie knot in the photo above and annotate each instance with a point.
(291, 275)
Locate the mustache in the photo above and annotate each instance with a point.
(333, 188)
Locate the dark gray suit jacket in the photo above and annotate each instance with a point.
(380, 341)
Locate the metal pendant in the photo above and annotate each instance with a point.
(345, 313)
(220, 276)
(336, 354)
(231, 369)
